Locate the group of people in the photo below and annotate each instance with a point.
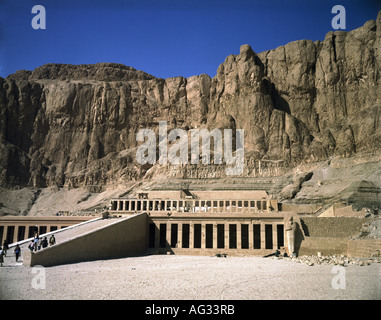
(37, 243)
(4, 249)
(34, 245)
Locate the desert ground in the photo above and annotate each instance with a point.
(173, 277)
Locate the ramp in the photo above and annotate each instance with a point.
(103, 239)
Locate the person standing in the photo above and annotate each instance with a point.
(36, 238)
(45, 242)
(5, 247)
(17, 252)
(1, 257)
(52, 240)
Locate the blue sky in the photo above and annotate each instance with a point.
(165, 38)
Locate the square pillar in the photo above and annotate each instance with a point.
(157, 235)
(239, 235)
(203, 236)
(191, 236)
(168, 235)
(263, 235)
(275, 236)
(251, 237)
(179, 235)
(15, 234)
(226, 236)
(215, 235)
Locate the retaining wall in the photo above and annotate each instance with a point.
(327, 246)
(332, 227)
(363, 247)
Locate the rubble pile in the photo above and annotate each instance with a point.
(341, 260)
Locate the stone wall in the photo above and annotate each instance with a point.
(327, 246)
(332, 235)
(337, 227)
(348, 211)
(363, 247)
(126, 237)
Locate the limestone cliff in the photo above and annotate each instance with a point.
(304, 102)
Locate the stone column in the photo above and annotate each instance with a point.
(168, 235)
(15, 233)
(191, 236)
(251, 236)
(203, 235)
(263, 235)
(275, 237)
(180, 235)
(239, 235)
(226, 235)
(215, 235)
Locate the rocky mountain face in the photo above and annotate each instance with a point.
(301, 103)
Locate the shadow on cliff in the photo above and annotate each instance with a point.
(278, 101)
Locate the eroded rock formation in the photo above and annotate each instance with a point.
(64, 125)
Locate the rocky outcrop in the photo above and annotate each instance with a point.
(64, 125)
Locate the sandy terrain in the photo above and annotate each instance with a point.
(167, 277)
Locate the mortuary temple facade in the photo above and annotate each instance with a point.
(208, 222)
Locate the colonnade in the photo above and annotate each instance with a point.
(216, 235)
(189, 205)
(18, 228)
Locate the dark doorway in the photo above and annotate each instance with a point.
(280, 235)
(232, 236)
(197, 236)
(185, 235)
(174, 232)
(209, 236)
(151, 235)
(42, 230)
(10, 233)
(268, 236)
(32, 230)
(21, 233)
(220, 236)
(163, 235)
(257, 236)
(244, 236)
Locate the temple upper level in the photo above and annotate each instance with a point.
(196, 201)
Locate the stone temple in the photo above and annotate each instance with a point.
(191, 221)
(207, 222)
